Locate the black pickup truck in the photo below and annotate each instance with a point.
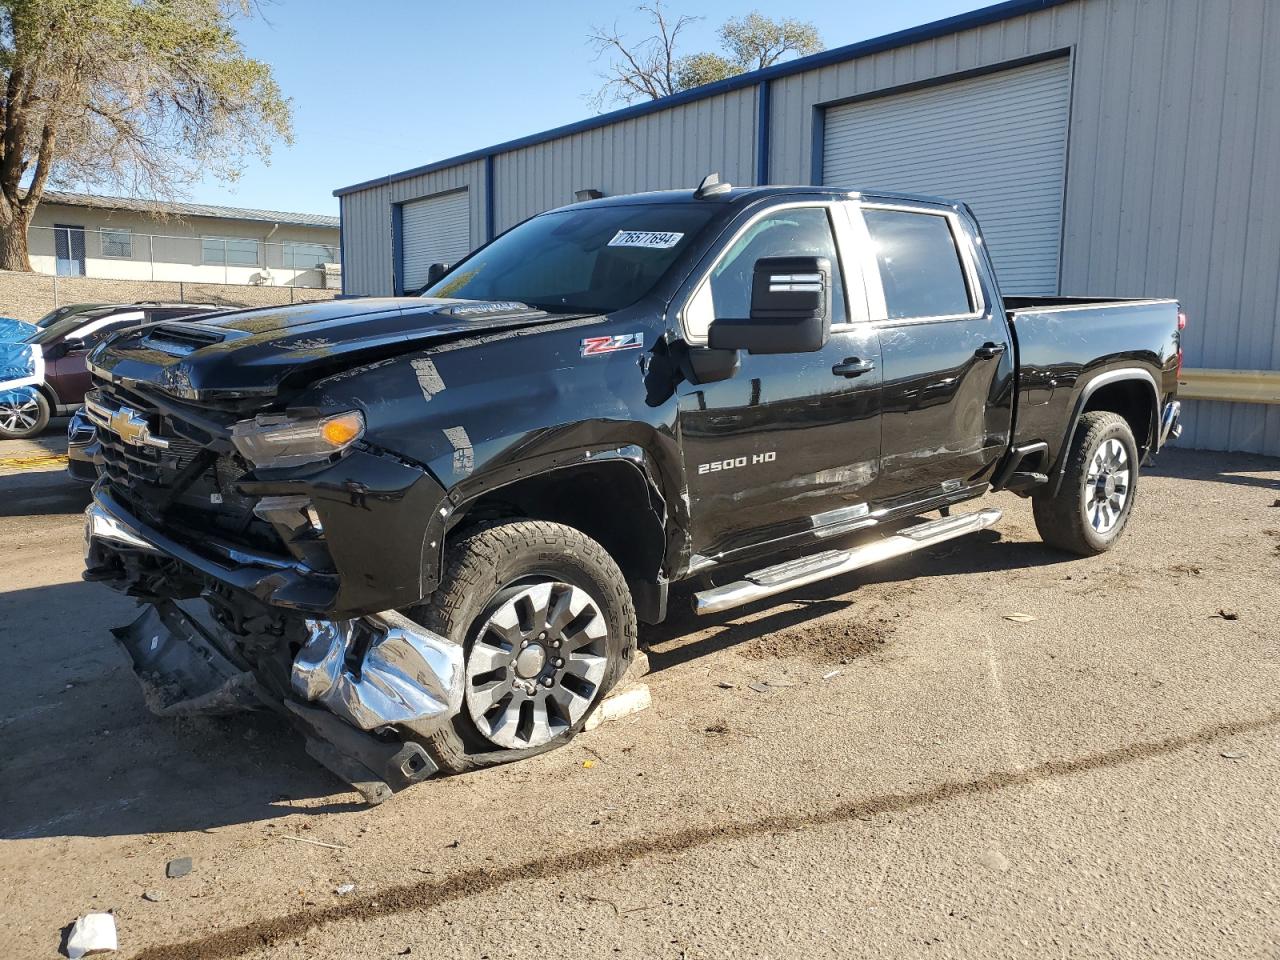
(426, 528)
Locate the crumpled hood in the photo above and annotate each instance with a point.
(247, 353)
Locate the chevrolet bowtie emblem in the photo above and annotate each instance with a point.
(131, 427)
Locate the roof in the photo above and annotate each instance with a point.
(188, 209)
(939, 28)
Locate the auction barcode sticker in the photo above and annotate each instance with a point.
(653, 239)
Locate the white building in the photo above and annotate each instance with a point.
(116, 238)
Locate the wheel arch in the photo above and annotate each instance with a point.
(1130, 392)
(610, 497)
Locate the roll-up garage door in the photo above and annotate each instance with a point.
(433, 230)
(998, 142)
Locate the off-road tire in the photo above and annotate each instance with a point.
(41, 413)
(1063, 518)
(477, 569)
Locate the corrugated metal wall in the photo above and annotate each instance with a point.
(1173, 166)
(661, 151)
(368, 262)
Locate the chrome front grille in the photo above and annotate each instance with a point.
(167, 479)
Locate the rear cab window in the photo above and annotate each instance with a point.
(922, 270)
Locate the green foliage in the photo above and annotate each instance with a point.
(132, 96)
(755, 42)
(696, 69)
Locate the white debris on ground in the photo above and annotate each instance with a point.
(619, 705)
(92, 933)
(628, 697)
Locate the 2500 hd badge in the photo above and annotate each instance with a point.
(429, 541)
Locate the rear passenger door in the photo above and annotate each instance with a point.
(947, 356)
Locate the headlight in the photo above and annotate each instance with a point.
(282, 441)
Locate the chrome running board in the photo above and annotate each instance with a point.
(832, 563)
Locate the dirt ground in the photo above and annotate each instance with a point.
(1100, 780)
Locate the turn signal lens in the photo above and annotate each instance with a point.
(341, 430)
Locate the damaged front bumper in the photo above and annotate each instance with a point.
(364, 691)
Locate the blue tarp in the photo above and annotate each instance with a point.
(12, 331)
(21, 367)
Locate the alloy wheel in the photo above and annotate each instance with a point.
(1107, 485)
(18, 416)
(536, 665)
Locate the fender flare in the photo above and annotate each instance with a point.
(635, 457)
(1103, 379)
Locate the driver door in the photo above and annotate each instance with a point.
(787, 446)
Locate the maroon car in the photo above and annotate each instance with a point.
(65, 343)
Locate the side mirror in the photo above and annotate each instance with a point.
(790, 309)
(435, 272)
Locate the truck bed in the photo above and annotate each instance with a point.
(1063, 343)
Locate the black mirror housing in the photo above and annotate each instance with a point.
(434, 272)
(790, 309)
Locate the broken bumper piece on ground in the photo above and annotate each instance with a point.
(358, 686)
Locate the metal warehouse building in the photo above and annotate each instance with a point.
(1127, 147)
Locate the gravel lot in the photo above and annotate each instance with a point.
(1099, 781)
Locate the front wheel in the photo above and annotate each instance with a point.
(1095, 499)
(23, 414)
(548, 627)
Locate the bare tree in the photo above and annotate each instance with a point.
(652, 68)
(139, 96)
(646, 69)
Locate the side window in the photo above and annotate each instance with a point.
(793, 232)
(920, 267)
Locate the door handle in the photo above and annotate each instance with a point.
(989, 350)
(853, 367)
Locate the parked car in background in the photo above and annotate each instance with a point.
(57, 376)
(68, 310)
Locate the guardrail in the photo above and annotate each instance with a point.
(1231, 386)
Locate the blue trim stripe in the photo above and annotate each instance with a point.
(762, 132)
(929, 31)
(817, 144)
(342, 249)
(397, 249)
(488, 198)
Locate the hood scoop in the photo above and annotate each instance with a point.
(178, 340)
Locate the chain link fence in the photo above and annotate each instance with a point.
(121, 254)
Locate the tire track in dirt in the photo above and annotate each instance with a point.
(427, 894)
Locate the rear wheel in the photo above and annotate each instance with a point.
(548, 626)
(1095, 499)
(23, 414)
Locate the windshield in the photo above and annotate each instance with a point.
(57, 313)
(80, 326)
(593, 259)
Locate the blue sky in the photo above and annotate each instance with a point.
(383, 85)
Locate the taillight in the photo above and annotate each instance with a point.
(1182, 320)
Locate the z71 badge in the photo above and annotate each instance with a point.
(594, 346)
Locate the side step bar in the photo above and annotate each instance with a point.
(832, 563)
